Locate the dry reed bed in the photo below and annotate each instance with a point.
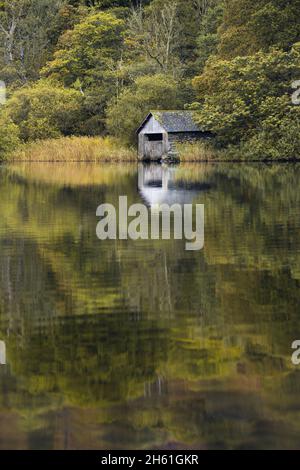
(75, 149)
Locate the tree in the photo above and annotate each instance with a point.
(277, 136)
(9, 136)
(86, 61)
(44, 110)
(154, 31)
(26, 30)
(11, 15)
(163, 37)
(86, 52)
(192, 15)
(208, 39)
(125, 114)
(233, 94)
(253, 25)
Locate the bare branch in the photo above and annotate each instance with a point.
(156, 30)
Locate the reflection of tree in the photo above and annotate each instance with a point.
(169, 345)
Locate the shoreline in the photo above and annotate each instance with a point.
(151, 162)
(110, 150)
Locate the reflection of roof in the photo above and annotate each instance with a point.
(174, 121)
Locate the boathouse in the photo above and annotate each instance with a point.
(161, 130)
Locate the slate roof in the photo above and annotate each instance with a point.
(174, 121)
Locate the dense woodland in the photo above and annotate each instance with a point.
(83, 67)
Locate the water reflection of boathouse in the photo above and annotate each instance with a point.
(2, 353)
(161, 184)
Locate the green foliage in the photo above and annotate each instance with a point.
(29, 30)
(277, 137)
(109, 54)
(165, 34)
(9, 136)
(253, 25)
(87, 60)
(88, 51)
(44, 110)
(208, 38)
(246, 96)
(150, 92)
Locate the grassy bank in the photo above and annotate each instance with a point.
(111, 150)
(205, 152)
(75, 149)
(199, 152)
(101, 149)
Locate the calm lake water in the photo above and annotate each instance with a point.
(144, 345)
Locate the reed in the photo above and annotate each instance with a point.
(75, 149)
(199, 152)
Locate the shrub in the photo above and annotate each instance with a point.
(278, 135)
(44, 110)
(247, 95)
(9, 137)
